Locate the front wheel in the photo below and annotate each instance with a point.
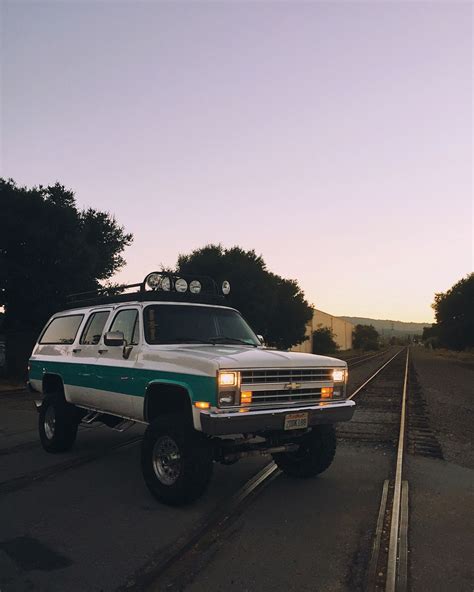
(58, 423)
(176, 461)
(314, 455)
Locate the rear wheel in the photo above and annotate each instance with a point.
(58, 423)
(176, 461)
(314, 455)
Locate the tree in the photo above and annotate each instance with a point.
(365, 337)
(454, 312)
(323, 341)
(274, 306)
(49, 249)
(430, 336)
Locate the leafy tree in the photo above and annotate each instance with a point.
(365, 337)
(323, 341)
(454, 312)
(49, 249)
(274, 306)
(430, 336)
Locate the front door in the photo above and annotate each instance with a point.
(120, 392)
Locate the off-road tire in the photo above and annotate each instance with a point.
(314, 455)
(194, 467)
(60, 436)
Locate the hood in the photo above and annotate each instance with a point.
(241, 357)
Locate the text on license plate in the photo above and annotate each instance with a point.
(296, 421)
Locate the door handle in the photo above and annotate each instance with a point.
(76, 350)
(102, 351)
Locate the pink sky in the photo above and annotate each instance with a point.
(335, 139)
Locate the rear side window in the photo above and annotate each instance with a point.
(94, 327)
(62, 330)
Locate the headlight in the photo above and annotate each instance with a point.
(338, 375)
(228, 379)
(227, 398)
(153, 281)
(165, 284)
(195, 287)
(228, 388)
(181, 285)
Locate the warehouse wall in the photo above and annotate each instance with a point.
(342, 331)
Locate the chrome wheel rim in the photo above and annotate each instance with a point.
(49, 422)
(166, 460)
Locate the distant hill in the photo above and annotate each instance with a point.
(387, 327)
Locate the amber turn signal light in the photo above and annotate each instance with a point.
(202, 404)
(245, 397)
(326, 392)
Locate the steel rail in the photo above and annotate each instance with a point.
(156, 571)
(362, 386)
(352, 363)
(26, 479)
(391, 580)
(366, 355)
(374, 559)
(202, 535)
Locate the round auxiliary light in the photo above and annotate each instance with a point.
(181, 285)
(153, 281)
(165, 284)
(195, 287)
(225, 287)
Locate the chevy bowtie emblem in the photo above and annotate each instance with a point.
(292, 386)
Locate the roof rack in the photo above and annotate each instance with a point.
(157, 285)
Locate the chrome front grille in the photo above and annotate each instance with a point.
(284, 397)
(275, 387)
(286, 375)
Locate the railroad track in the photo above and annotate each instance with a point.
(383, 395)
(31, 477)
(382, 420)
(354, 361)
(26, 479)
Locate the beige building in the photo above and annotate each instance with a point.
(341, 329)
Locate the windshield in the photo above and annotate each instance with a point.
(196, 324)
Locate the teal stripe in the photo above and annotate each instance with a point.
(108, 378)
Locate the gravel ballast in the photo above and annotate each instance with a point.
(448, 389)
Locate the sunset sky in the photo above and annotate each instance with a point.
(334, 138)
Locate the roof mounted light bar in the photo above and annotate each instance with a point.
(157, 285)
(169, 282)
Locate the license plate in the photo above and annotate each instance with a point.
(296, 421)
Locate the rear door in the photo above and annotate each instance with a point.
(84, 353)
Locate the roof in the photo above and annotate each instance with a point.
(111, 306)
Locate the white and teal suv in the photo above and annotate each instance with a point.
(170, 356)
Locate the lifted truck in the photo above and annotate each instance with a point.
(171, 355)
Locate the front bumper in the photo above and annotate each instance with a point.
(254, 421)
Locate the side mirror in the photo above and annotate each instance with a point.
(261, 339)
(114, 338)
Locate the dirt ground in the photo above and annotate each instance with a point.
(447, 384)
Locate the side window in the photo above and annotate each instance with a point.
(126, 321)
(94, 327)
(62, 330)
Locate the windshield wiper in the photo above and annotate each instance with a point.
(189, 340)
(231, 340)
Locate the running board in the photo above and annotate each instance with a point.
(91, 417)
(123, 425)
